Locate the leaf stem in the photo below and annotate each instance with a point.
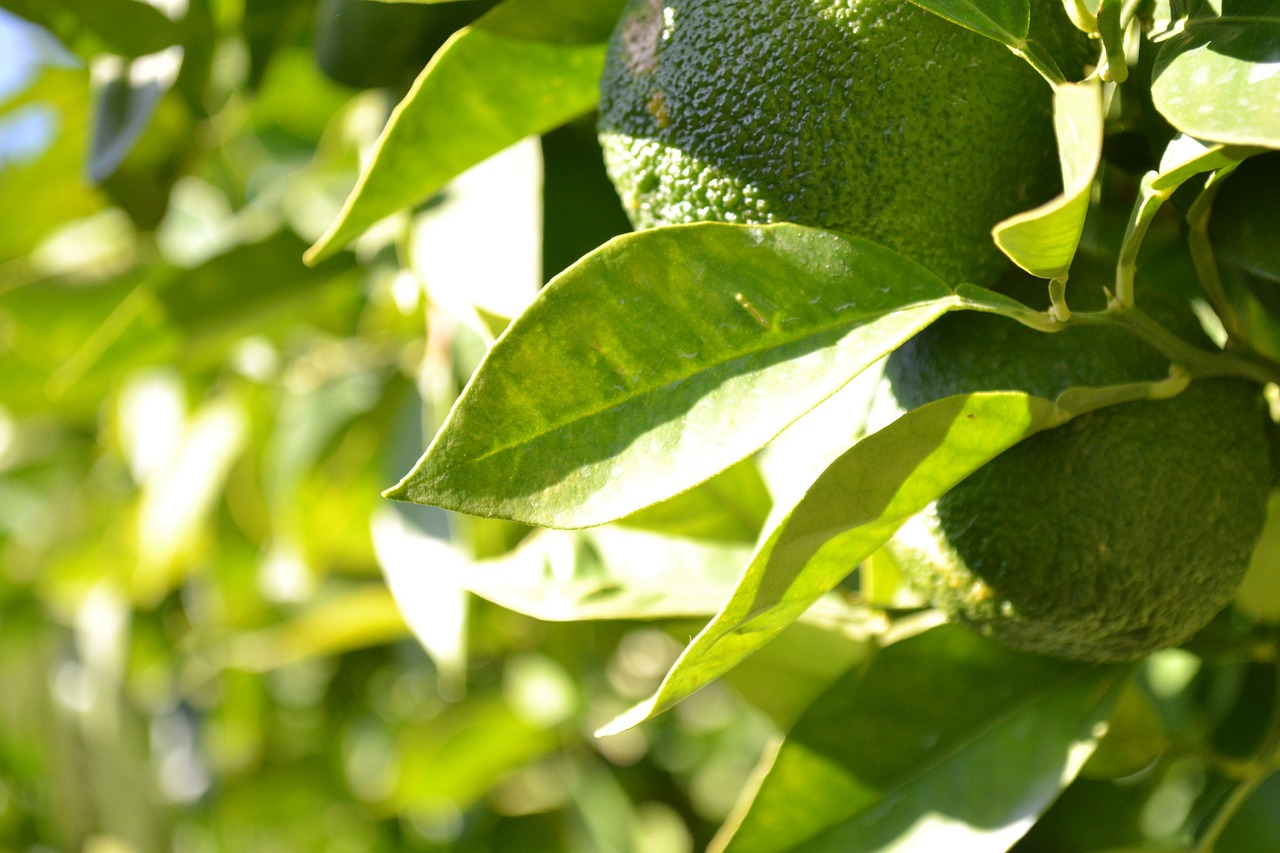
(1040, 61)
(1202, 256)
(1198, 363)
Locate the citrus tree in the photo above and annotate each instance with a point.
(839, 426)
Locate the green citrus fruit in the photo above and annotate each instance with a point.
(871, 117)
(1121, 532)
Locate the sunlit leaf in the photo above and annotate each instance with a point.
(661, 359)
(1185, 157)
(603, 573)
(852, 509)
(489, 87)
(947, 741)
(1043, 241)
(1218, 76)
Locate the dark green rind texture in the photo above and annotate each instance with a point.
(871, 117)
(1120, 533)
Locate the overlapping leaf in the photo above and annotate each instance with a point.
(1218, 76)
(525, 67)
(1006, 21)
(661, 359)
(849, 512)
(1043, 241)
(887, 758)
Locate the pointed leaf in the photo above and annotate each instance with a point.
(1185, 157)
(852, 509)
(661, 359)
(490, 86)
(888, 757)
(1006, 21)
(1043, 241)
(1218, 76)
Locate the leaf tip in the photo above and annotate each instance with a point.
(627, 720)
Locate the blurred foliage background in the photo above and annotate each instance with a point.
(199, 645)
(215, 634)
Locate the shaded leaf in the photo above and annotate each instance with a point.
(1043, 241)
(1006, 21)
(1259, 593)
(1218, 76)
(129, 28)
(888, 757)
(483, 91)
(1245, 226)
(661, 359)
(732, 506)
(126, 95)
(852, 509)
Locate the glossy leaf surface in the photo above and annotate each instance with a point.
(1043, 241)
(660, 360)
(519, 70)
(852, 509)
(1218, 76)
(947, 741)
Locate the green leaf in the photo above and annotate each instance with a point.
(355, 619)
(126, 95)
(1185, 157)
(490, 86)
(661, 359)
(1006, 21)
(129, 28)
(1259, 593)
(1245, 226)
(605, 573)
(554, 21)
(1043, 241)
(47, 190)
(852, 508)
(947, 741)
(1218, 77)
(732, 507)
